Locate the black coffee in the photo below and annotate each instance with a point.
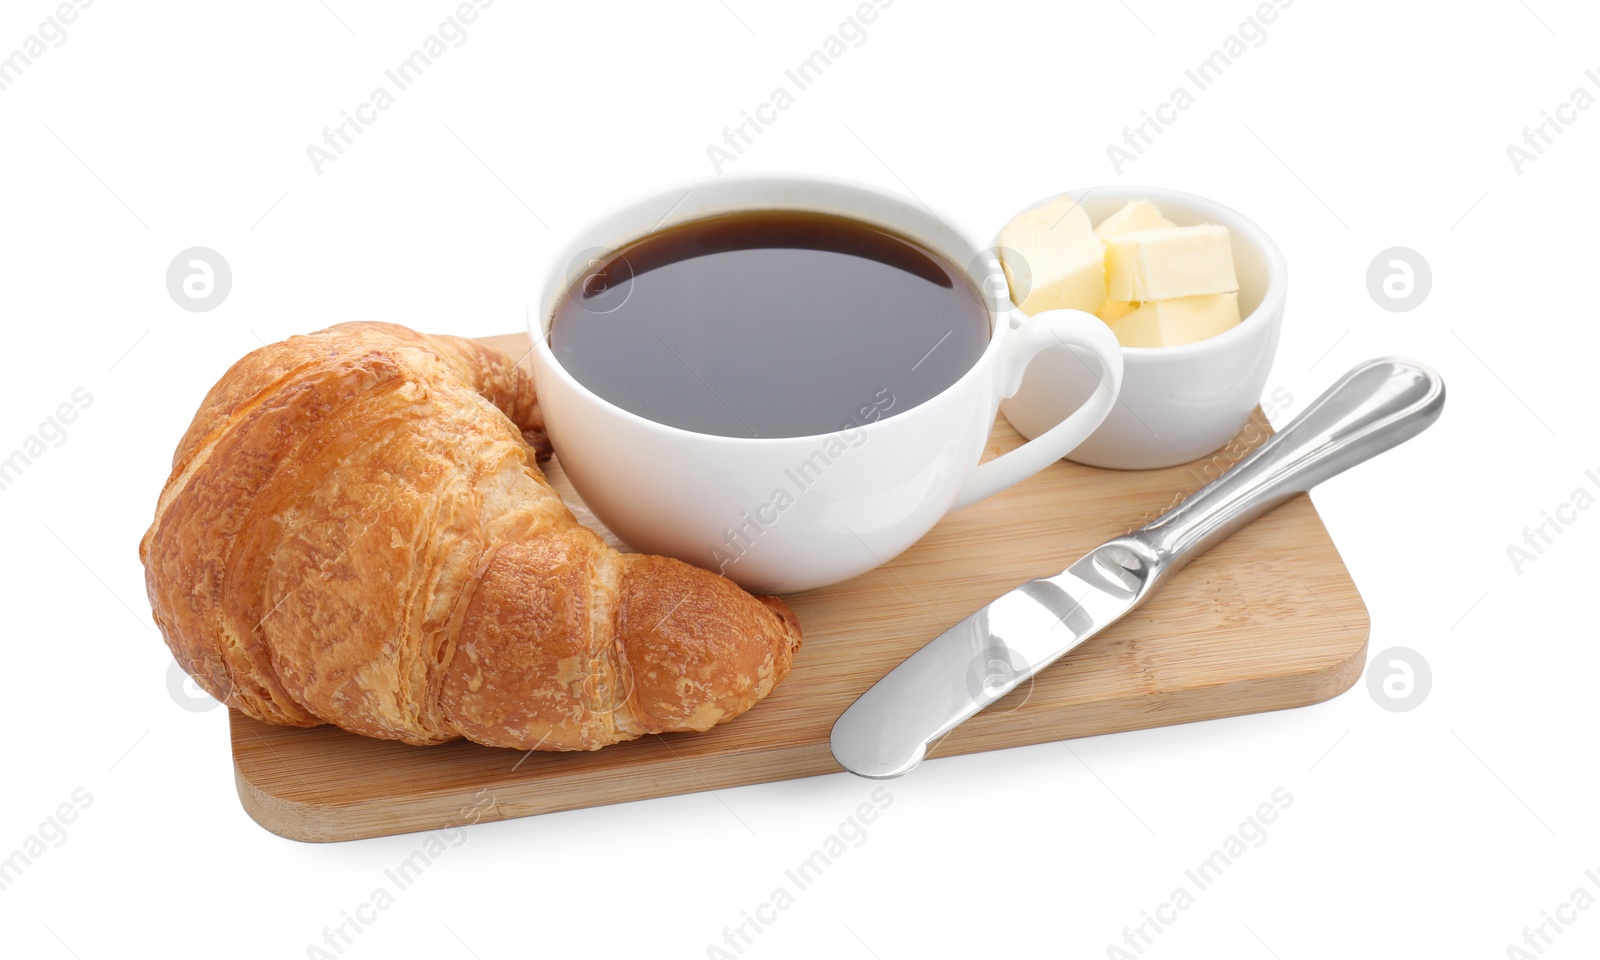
(770, 324)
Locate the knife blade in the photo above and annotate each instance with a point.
(888, 730)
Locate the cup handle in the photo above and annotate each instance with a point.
(1052, 328)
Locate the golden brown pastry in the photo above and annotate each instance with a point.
(356, 532)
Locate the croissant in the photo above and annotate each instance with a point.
(356, 532)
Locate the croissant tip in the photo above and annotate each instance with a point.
(540, 442)
(784, 613)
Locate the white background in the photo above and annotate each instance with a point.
(1354, 127)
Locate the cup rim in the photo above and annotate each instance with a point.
(1272, 298)
(1000, 317)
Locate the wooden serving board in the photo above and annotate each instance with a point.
(1268, 619)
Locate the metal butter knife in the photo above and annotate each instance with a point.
(887, 731)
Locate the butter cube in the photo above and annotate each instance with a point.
(1134, 215)
(1065, 260)
(1115, 310)
(1172, 323)
(1169, 262)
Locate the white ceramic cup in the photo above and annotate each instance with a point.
(1177, 403)
(787, 514)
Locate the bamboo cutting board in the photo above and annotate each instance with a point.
(1268, 619)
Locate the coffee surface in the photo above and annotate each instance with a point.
(769, 324)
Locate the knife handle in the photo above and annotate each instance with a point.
(1376, 406)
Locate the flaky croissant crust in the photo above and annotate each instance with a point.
(356, 532)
